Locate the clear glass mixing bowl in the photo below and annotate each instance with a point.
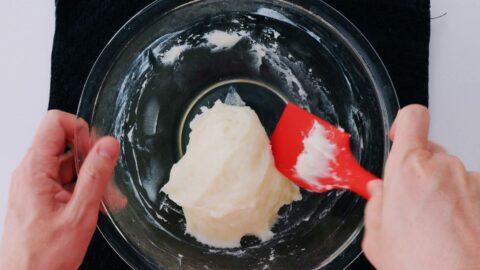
(176, 56)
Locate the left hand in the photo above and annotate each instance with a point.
(50, 221)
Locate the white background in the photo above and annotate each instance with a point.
(26, 34)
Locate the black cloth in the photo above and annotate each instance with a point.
(398, 29)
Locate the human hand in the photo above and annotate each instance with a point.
(426, 212)
(50, 222)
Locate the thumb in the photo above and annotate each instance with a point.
(373, 210)
(373, 219)
(94, 175)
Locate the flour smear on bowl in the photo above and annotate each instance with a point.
(218, 40)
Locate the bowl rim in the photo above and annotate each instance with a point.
(322, 11)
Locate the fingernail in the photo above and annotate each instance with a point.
(107, 149)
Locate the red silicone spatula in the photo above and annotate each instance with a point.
(287, 144)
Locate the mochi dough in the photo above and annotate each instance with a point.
(226, 182)
(314, 161)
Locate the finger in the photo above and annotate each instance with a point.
(63, 196)
(85, 138)
(67, 168)
(373, 217)
(436, 148)
(394, 127)
(113, 198)
(56, 130)
(411, 129)
(373, 209)
(94, 176)
(475, 178)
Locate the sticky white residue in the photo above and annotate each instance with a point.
(261, 52)
(314, 162)
(273, 14)
(291, 80)
(172, 55)
(161, 217)
(179, 259)
(303, 94)
(151, 117)
(130, 135)
(163, 204)
(216, 40)
(272, 255)
(266, 12)
(271, 32)
(234, 252)
(151, 187)
(220, 40)
(233, 98)
(275, 34)
(159, 44)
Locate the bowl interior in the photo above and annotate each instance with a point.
(167, 63)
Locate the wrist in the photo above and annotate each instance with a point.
(13, 258)
(8, 260)
(18, 258)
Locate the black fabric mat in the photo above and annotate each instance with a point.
(398, 29)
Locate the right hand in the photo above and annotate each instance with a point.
(426, 212)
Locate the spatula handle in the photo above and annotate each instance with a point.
(360, 181)
(357, 178)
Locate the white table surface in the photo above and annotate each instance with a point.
(26, 33)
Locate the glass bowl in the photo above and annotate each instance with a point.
(174, 57)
